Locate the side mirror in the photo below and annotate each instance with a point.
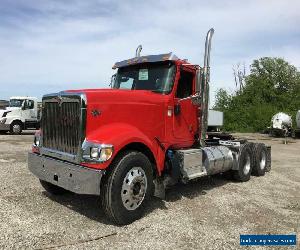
(112, 80)
(23, 105)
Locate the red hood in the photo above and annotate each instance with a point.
(141, 109)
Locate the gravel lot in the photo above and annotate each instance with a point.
(209, 213)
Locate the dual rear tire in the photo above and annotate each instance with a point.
(253, 159)
(260, 158)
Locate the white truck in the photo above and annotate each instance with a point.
(215, 120)
(22, 113)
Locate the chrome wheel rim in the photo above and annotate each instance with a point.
(16, 128)
(134, 188)
(263, 160)
(247, 164)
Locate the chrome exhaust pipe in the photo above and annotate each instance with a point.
(138, 51)
(204, 88)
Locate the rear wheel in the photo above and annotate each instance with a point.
(268, 164)
(260, 154)
(52, 189)
(245, 164)
(16, 128)
(127, 188)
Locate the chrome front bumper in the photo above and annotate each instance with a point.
(72, 177)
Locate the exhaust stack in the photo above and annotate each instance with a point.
(204, 86)
(138, 51)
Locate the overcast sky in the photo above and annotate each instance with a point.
(48, 46)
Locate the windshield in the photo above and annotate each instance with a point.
(156, 77)
(15, 103)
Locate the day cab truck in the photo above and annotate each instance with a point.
(146, 133)
(22, 113)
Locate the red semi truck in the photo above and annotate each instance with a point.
(146, 133)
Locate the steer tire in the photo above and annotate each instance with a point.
(245, 164)
(16, 128)
(260, 155)
(52, 189)
(129, 178)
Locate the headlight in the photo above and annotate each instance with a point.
(97, 153)
(101, 154)
(94, 154)
(3, 120)
(106, 153)
(37, 139)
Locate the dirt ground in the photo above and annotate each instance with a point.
(209, 213)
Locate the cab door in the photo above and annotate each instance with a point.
(185, 119)
(29, 109)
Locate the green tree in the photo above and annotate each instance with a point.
(222, 100)
(272, 86)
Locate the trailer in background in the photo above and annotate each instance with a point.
(215, 121)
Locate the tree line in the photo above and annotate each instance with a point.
(273, 85)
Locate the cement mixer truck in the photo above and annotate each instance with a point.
(145, 134)
(281, 125)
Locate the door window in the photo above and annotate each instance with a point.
(29, 104)
(185, 85)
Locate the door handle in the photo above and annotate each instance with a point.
(177, 109)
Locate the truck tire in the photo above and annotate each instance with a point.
(269, 163)
(52, 189)
(16, 128)
(127, 187)
(260, 155)
(245, 164)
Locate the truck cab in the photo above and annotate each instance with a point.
(170, 84)
(22, 113)
(134, 140)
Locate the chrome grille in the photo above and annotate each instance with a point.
(62, 124)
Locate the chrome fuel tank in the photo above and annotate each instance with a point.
(217, 159)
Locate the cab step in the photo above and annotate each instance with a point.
(190, 161)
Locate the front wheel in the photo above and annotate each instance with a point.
(127, 188)
(16, 128)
